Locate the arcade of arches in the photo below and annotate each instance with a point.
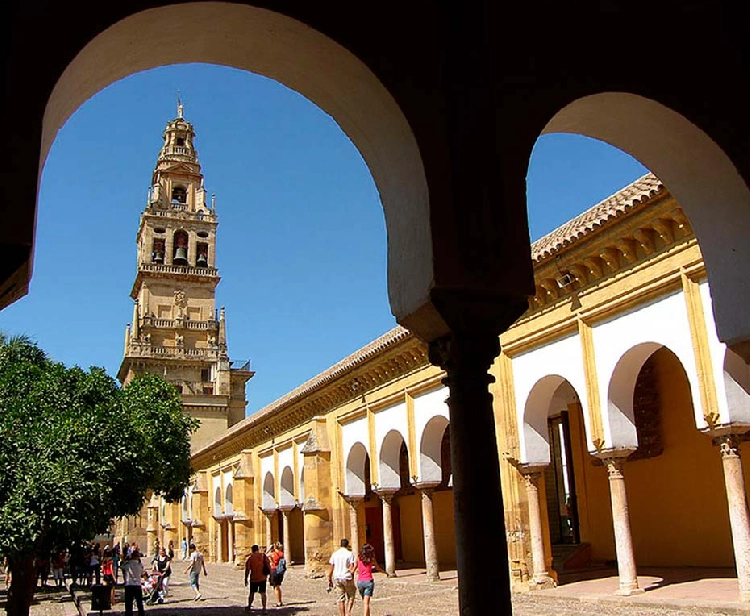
(445, 112)
(612, 379)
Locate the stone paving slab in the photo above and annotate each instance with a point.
(683, 594)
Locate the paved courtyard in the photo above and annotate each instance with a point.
(675, 592)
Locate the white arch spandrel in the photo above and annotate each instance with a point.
(563, 358)
(355, 472)
(386, 420)
(426, 407)
(660, 322)
(699, 175)
(731, 373)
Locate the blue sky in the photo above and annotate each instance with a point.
(301, 237)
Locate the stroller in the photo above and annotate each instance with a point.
(153, 587)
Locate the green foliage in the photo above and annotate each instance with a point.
(76, 450)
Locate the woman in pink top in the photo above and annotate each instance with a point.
(366, 565)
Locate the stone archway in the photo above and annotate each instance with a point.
(697, 172)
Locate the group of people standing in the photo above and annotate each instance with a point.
(261, 568)
(342, 566)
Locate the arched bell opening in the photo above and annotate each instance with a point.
(180, 256)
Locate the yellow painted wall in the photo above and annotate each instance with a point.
(412, 537)
(678, 506)
(445, 534)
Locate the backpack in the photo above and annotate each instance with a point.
(281, 566)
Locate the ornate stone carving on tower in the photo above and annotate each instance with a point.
(176, 330)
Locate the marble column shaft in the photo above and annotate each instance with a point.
(390, 551)
(739, 520)
(428, 529)
(540, 575)
(621, 523)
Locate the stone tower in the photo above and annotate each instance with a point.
(176, 330)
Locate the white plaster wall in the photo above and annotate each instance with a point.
(351, 433)
(392, 418)
(299, 479)
(227, 479)
(663, 321)
(427, 406)
(286, 458)
(562, 357)
(732, 399)
(267, 466)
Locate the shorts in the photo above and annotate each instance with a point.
(346, 590)
(275, 579)
(194, 579)
(258, 587)
(366, 588)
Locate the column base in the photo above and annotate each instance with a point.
(628, 592)
(745, 596)
(542, 583)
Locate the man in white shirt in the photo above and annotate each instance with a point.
(341, 576)
(132, 571)
(196, 565)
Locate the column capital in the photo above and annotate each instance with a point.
(386, 494)
(465, 353)
(353, 500)
(426, 486)
(285, 509)
(729, 445)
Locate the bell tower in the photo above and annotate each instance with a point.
(176, 330)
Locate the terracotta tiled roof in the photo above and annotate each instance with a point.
(390, 338)
(622, 202)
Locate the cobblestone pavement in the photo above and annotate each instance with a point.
(407, 595)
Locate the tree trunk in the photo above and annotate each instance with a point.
(22, 585)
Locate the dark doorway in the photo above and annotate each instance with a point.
(560, 484)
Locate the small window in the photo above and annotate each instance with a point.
(178, 388)
(208, 390)
(180, 141)
(205, 375)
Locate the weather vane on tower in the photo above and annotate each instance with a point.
(180, 106)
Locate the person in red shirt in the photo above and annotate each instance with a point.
(257, 568)
(277, 572)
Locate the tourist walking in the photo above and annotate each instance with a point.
(132, 572)
(341, 577)
(196, 564)
(367, 564)
(278, 568)
(184, 547)
(257, 568)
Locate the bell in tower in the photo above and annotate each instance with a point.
(180, 251)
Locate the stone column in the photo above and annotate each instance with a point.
(192, 248)
(286, 512)
(386, 496)
(268, 514)
(169, 248)
(540, 577)
(478, 501)
(428, 531)
(621, 523)
(739, 520)
(354, 502)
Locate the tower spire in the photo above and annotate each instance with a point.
(180, 106)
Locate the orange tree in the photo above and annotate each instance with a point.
(77, 451)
